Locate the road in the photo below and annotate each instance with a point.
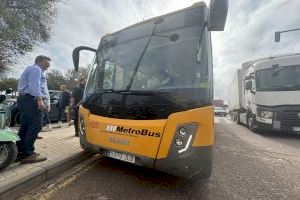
(246, 166)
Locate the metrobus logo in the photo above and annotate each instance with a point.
(111, 128)
(131, 131)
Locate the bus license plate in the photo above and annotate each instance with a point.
(297, 129)
(121, 156)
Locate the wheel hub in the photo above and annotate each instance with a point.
(3, 153)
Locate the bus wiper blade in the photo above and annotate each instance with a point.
(158, 21)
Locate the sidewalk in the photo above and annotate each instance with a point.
(62, 150)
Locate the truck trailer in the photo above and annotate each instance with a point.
(265, 94)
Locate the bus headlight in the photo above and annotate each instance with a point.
(81, 125)
(178, 142)
(182, 131)
(183, 137)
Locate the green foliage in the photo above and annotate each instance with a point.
(9, 83)
(23, 24)
(3, 72)
(55, 78)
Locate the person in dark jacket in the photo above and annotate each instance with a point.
(63, 102)
(76, 99)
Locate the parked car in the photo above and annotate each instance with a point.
(53, 115)
(219, 111)
(54, 97)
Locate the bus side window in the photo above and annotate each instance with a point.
(113, 76)
(108, 75)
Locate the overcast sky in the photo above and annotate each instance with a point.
(249, 32)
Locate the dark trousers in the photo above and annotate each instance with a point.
(46, 119)
(31, 123)
(61, 112)
(76, 119)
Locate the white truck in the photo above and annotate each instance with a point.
(265, 94)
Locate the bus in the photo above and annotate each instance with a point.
(148, 99)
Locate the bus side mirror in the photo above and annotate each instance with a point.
(218, 10)
(75, 55)
(248, 85)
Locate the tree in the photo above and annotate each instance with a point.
(55, 78)
(71, 76)
(9, 83)
(23, 24)
(3, 71)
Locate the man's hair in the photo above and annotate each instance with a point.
(40, 58)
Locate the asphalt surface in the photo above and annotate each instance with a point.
(246, 166)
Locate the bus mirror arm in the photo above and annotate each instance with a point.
(75, 55)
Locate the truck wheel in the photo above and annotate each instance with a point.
(234, 117)
(250, 124)
(238, 120)
(8, 154)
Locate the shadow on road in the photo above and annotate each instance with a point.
(280, 135)
(144, 174)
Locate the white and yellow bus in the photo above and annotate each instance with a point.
(149, 93)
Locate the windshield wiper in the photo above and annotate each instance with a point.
(160, 20)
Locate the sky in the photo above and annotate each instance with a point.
(248, 35)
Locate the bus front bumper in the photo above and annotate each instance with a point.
(197, 162)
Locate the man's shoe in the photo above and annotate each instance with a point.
(34, 158)
(47, 128)
(20, 157)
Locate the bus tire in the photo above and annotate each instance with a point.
(87, 148)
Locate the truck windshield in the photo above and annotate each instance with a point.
(281, 79)
(166, 64)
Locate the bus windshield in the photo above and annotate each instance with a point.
(165, 64)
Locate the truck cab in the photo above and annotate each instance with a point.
(272, 94)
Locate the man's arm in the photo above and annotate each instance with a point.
(34, 82)
(34, 86)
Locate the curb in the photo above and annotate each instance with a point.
(15, 187)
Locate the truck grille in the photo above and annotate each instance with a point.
(290, 118)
